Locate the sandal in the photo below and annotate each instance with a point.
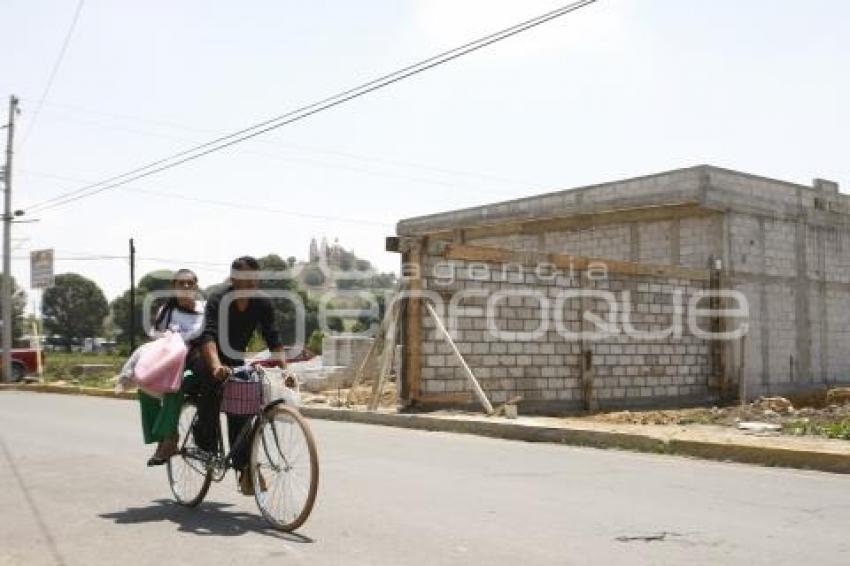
(164, 450)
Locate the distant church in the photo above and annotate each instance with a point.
(333, 255)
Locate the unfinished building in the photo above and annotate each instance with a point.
(526, 285)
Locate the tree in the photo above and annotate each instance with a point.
(19, 303)
(120, 307)
(335, 324)
(314, 277)
(74, 308)
(314, 343)
(286, 316)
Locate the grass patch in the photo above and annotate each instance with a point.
(838, 430)
(71, 368)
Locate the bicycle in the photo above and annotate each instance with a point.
(282, 450)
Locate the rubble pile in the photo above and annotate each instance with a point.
(828, 414)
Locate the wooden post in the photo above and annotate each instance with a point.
(413, 327)
(358, 376)
(387, 356)
(742, 381)
(586, 361)
(476, 387)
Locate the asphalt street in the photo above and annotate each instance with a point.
(76, 491)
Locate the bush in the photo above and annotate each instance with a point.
(314, 343)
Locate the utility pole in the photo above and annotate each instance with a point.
(7, 243)
(132, 296)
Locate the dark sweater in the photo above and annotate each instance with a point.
(240, 324)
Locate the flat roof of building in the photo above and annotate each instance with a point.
(705, 186)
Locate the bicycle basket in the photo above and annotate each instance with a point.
(242, 397)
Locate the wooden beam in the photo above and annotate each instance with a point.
(586, 361)
(570, 262)
(412, 321)
(476, 387)
(580, 221)
(387, 356)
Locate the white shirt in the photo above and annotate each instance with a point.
(188, 324)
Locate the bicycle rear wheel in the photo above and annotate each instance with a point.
(189, 476)
(284, 467)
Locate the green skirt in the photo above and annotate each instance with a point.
(160, 417)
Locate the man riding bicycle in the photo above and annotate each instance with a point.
(223, 343)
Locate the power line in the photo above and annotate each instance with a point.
(331, 165)
(71, 109)
(108, 257)
(228, 204)
(54, 71)
(223, 142)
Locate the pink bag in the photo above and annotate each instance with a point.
(160, 366)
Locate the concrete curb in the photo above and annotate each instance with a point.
(707, 450)
(834, 462)
(66, 390)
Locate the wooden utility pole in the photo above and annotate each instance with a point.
(7, 243)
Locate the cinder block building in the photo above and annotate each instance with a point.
(515, 283)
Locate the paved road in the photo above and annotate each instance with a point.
(76, 491)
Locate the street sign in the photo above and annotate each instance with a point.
(41, 269)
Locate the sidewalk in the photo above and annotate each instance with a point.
(700, 441)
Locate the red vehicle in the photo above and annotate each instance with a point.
(292, 355)
(24, 362)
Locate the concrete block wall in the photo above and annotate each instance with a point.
(795, 272)
(545, 369)
(785, 246)
(688, 242)
(348, 351)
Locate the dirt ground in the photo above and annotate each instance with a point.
(360, 398)
(805, 415)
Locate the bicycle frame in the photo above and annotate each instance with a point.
(221, 461)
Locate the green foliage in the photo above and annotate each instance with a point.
(315, 342)
(74, 308)
(839, 430)
(65, 366)
(314, 277)
(256, 343)
(120, 307)
(335, 323)
(286, 315)
(376, 281)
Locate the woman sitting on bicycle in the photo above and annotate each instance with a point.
(183, 313)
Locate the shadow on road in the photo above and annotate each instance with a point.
(208, 519)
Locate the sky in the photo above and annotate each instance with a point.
(617, 89)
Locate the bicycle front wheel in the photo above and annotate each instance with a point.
(284, 467)
(188, 473)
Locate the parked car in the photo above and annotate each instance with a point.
(25, 362)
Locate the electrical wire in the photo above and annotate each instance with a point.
(53, 72)
(228, 204)
(72, 110)
(239, 136)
